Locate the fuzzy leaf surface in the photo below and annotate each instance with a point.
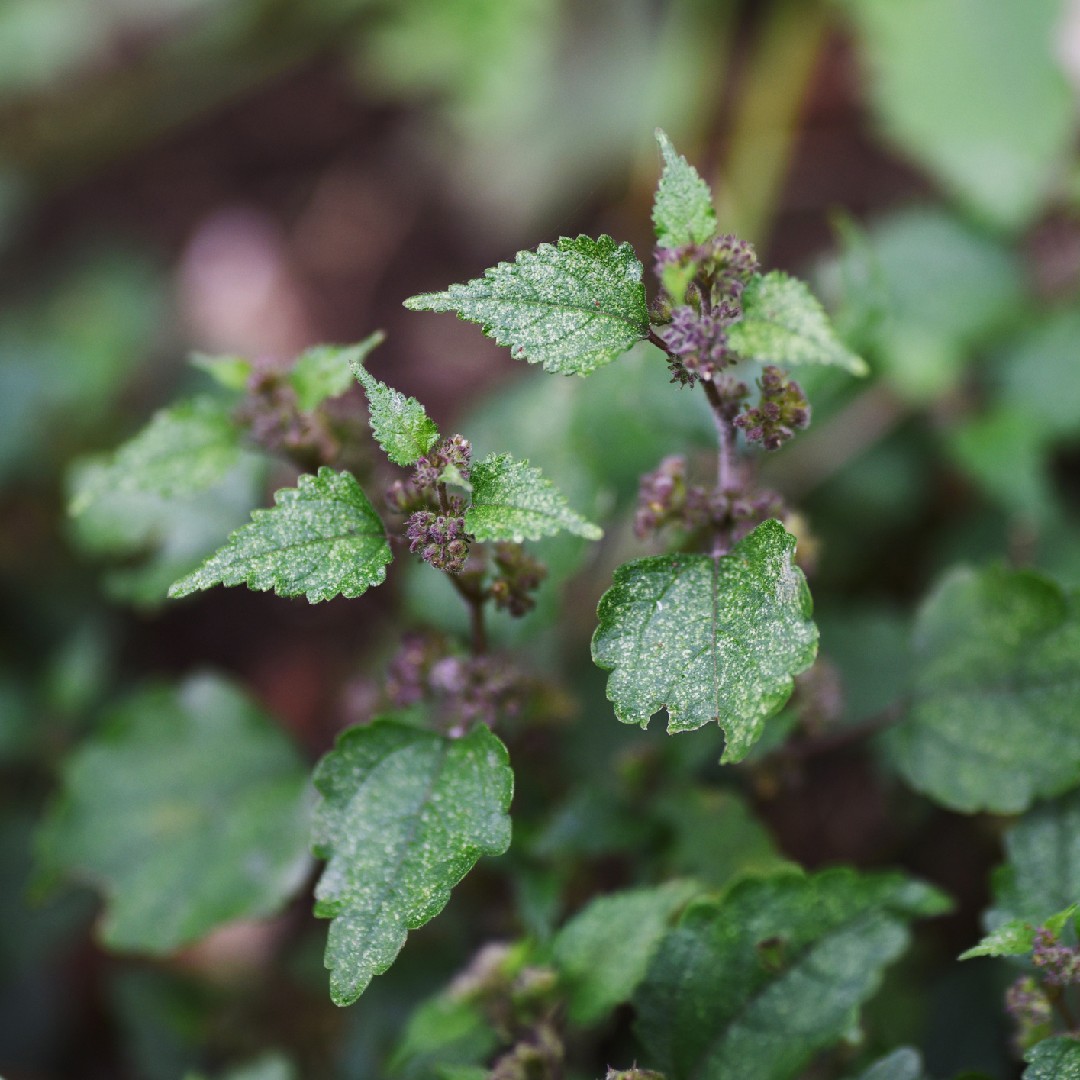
(708, 638)
(404, 816)
(783, 323)
(683, 210)
(326, 371)
(1017, 937)
(572, 306)
(603, 951)
(757, 982)
(321, 539)
(190, 809)
(511, 500)
(1053, 1059)
(185, 448)
(400, 424)
(996, 670)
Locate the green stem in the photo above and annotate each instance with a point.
(475, 597)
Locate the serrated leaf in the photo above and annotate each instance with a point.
(683, 208)
(1054, 1059)
(1041, 874)
(573, 306)
(783, 323)
(189, 810)
(184, 449)
(404, 816)
(1016, 937)
(603, 951)
(321, 539)
(993, 725)
(757, 982)
(708, 638)
(513, 501)
(400, 424)
(326, 371)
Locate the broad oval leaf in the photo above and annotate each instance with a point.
(184, 449)
(708, 638)
(573, 306)
(755, 983)
(993, 724)
(511, 500)
(683, 210)
(783, 323)
(404, 816)
(1054, 1059)
(321, 539)
(189, 810)
(400, 424)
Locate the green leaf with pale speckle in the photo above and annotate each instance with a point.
(404, 816)
(1054, 1059)
(190, 809)
(754, 984)
(184, 449)
(708, 638)
(1017, 937)
(326, 371)
(322, 539)
(783, 323)
(683, 208)
(993, 722)
(603, 951)
(400, 424)
(573, 306)
(513, 501)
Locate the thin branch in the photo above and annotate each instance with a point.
(476, 598)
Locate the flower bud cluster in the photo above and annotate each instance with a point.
(1028, 1005)
(454, 452)
(780, 412)
(1059, 964)
(518, 576)
(664, 498)
(701, 297)
(439, 539)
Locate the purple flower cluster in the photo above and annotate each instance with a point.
(519, 576)
(664, 498)
(438, 539)
(1059, 964)
(781, 411)
(454, 452)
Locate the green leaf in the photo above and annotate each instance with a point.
(184, 449)
(230, 372)
(757, 982)
(572, 307)
(683, 208)
(1017, 937)
(326, 371)
(189, 810)
(708, 638)
(513, 501)
(993, 719)
(1054, 1059)
(404, 816)
(321, 539)
(603, 951)
(399, 423)
(902, 1064)
(972, 90)
(783, 323)
(1041, 874)
(445, 1031)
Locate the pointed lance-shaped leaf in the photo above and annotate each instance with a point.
(326, 371)
(683, 208)
(708, 638)
(783, 323)
(321, 539)
(404, 816)
(400, 424)
(511, 500)
(755, 983)
(572, 306)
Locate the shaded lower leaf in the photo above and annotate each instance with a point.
(321, 539)
(404, 816)
(902, 1064)
(993, 721)
(708, 638)
(1053, 1059)
(188, 811)
(755, 983)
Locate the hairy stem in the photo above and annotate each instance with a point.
(725, 439)
(1056, 995)
(476, 598)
